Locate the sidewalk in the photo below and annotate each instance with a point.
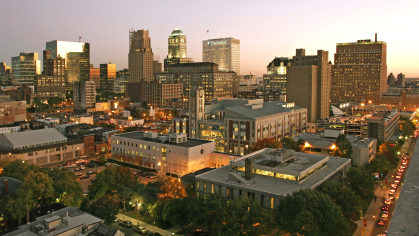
(136, 223)
(374, 208)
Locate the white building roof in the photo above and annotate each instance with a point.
(33, 137)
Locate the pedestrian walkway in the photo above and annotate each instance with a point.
(136, 223)
(374, 209)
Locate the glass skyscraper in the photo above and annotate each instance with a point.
(224, 51)
(77, 59)
(25, 67)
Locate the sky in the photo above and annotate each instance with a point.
(265, 28)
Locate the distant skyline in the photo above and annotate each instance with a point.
(265, 28)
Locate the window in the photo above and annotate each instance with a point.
(205, 186)
(51, 150)
(212, 188)
(197, 184)
(272, 202)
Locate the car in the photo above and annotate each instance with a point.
(91, 172)
(82, 167)
(64, 163)
(107, 164)
(70, 169)
(398, 176)
(385, 208)
(76, 168)
(393, 185)
(81, 163)
(84, 177)
(92, 179)
(381, 222)
(393, 190)
(384, 214)
(387, 201)
(79, 173)
(396, 181)
(85, 193)
(126, 224)
(140, 230)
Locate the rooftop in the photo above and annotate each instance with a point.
(327, 167)
(33, 137)
(320, 140)
(254, 111)
(139, 135)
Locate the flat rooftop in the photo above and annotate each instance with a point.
(321, 141)
(405, 217)
(139, 135)
(277, 186)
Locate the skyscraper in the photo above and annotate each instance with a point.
(224, 51)
(5, 73)
(360, 71)
(52, 81)
(77, 59)
(276, 77)
(84, 94)
(196, 110)
(176, 49)
(140, 57)
(25, 67)
(308, 83)
(107, 76)
(401, 80)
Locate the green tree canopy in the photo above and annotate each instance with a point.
(308, 212)
(104, 208)
(67, 189)
(177, 211)
(379, 164)
(343, 147)
(40, 185)
(18, 169)
(362, 183)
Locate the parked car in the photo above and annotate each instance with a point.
(79, 173)
(384, 214)
(70, 169)
(381, 222)
(92, 179)
(385, 208)
(387, 201)
(76, 168)
(107, 164)
(64, 163)
(82, 167)
(85, 193)
(84, 177)
(140, 230)
(126, 224)
(91, 172)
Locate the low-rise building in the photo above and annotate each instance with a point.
(9, 129)
(173, 153)
(81, 119)
(12, 111)
(40, 147)
(126, 121)
(383, 125)
(268, 175)
(363, 149)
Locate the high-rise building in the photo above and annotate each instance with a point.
(52, 81)
(196, 110)
(95, 75)
(155, 93)
(401, 80)
(120, 84)
(224, 51)
(107, 76)
(5, 74)
(25, 67)
(360, 71)
(140, 57)
(84, 94)
(77, 59)
(276, 77)
(176, 49)
(391, 80)
(308, 83)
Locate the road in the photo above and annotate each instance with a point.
(373, 214)
(130, 232)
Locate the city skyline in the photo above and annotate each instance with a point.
(265, 29)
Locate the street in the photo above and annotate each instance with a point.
(373, 214)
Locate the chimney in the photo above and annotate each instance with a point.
(248, 169)
(375, 37)
(6, 186)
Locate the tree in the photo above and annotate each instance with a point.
(172, 188)
(308, 212)
(156, 211)
(407, 126)
(177, 211)
(18, 169)
(40, 185)
(104, 208)
(208, 212)
(379, 164)
(13, 206)
(346, 198)
(67, 189)
(265, 143)
(390, 152)
(55, 100)
(362, 183)
(343, 147)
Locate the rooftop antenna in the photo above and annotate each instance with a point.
(79, 38)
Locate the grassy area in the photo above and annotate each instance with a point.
(131, 165)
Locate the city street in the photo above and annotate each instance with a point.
(373, 214)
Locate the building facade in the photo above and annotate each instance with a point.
(12, 111)
(95, 75)
(174, 153)
(176, 49)
(308, 83)
(384, 125)
(5, 74)
(107, 76)
(77, 59)
(25, 67)
(276, 77)
(225, 52)
(120, 84)
(84, 94)
(154, 93)
(140, 57)
(360, 71)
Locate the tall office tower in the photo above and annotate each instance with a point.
(52, 81)
(107, 76)
(196, 110)
(140, 57)
(391, 80)
(276, 77)
(308, 83)
(84, 94)
(157, 67)
(77, 59)
(360, 71)
(176, 49)
(401, 80)
(25, 67)
(5, 74)
(224, 51)
(95, 75)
